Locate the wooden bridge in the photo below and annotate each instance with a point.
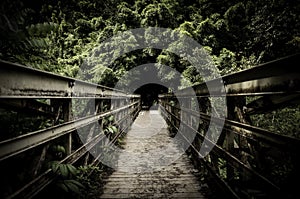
(139, 176)
(81, 119)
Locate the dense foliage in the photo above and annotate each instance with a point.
(58, 36)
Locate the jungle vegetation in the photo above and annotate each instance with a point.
(59, 37)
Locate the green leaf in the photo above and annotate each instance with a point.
(111, 118)
(73, 186)
(61, 149)
(78, 184)
(110, 129)
(63, 186)
(115, 129)
(72, 169)
(54, 166)
(63, 170)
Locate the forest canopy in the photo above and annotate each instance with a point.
(58, 36)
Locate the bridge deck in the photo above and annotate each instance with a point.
(141, 173)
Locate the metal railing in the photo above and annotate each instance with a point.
(69, 105)
(241, 161)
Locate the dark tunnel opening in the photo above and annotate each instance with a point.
(149, 95)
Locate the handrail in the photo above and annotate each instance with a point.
(18, 81)
(252, 132)
(16, 145)
(21, 88)
(219, 150)
(275, 77)
(276, 82)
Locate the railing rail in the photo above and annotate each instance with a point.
(240, 147)
(71, 105)
(237, 160)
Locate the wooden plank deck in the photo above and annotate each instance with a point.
(140, 175)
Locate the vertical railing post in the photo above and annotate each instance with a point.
(176, 113)
(122, 113)
(173, 110)
(134, 109)
(118, 105)
(245, 147)
(230, 137)
(127, 112)
(186, 116)
(67, 116)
